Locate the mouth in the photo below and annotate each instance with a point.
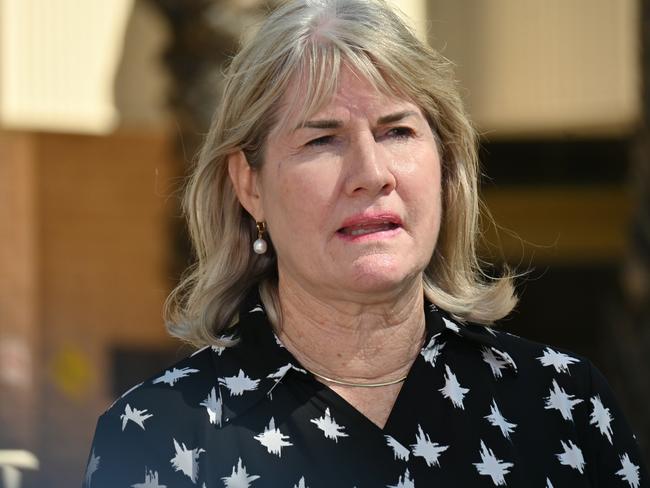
(363, 229)
(366, 225)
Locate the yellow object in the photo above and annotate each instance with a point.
(72, 372)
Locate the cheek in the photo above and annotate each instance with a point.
(298, 204)
(424, 203)
(421, 175)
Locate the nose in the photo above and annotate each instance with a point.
(368, 169)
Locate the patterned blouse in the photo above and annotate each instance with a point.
(479, 408)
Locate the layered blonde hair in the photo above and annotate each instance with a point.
(308, 41)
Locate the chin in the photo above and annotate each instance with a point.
(382, 277)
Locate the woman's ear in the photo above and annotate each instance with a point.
(245, 181)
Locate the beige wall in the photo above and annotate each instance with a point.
(86, 238)
(19, 293)
(539, 68)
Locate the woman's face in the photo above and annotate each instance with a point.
(352, 196)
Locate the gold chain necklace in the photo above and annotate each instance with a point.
(360, 385)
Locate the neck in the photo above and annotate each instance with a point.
(370, 342)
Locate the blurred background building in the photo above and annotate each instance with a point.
(102, 106)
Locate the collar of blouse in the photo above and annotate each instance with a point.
(249, 371)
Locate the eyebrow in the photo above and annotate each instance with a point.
(396, 117)
(321, 124)
(337, 124)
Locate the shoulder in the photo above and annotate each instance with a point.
(182, 384)
(526, 356)
(569, 383)
(547, 364)
(578, 392)
(537, 354)
(531, 368)
(154, 422)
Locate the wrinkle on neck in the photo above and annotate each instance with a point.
(359, 342)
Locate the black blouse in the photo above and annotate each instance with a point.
(479, 407)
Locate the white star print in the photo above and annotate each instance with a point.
(239, 477)
(301, 483)
(507, 358)
(496, 364)
(93, 465)
(399, 451)
(426, 449)
(221, 349)
(239, 384)
(496, 419)
(558, 399)
(451, 325)
(134, 415)
(558, 360)
(150, 480)
(491, 466)
(453, 390)
(257, 308)
(601, 418)
(432, 350)
(404, 481)
(281, 371)
(629, 471)
(186, 460)
(214, 407)
(572, 456)
(273, 439)
(328, 425)
(278, 341)
(172, 376)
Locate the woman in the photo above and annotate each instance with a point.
(341, 308)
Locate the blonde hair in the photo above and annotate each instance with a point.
(308, 41)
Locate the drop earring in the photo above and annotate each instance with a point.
(260, 246)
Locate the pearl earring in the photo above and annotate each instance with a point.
(260, 246)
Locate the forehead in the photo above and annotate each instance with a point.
(357, 94)
(306, 99)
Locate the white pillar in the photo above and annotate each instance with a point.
(58, 61)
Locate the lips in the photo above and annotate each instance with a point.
(364, 224)
(359, 230)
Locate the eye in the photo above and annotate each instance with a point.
(400, 132)
(320, 141)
